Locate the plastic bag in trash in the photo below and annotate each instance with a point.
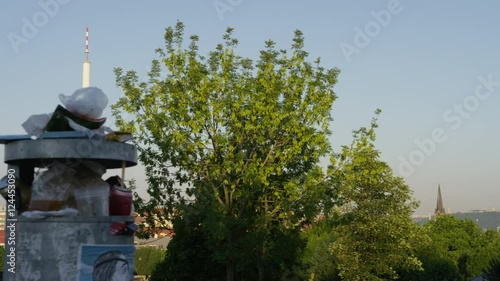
(35, 125)
(87, 102)
(91, 192)
(51, 190)
(22, 192)
(61, 117)
(102, 131)
(54, 189)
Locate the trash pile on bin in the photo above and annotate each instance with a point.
(78, 189)
(80, 112)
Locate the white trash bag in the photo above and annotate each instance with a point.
(87, 102)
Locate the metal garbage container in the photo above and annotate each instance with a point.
(52, 248)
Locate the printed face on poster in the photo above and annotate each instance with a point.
(106, 263)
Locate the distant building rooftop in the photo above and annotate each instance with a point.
(161, 242)
(484, 219)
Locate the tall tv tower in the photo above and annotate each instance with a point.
(86, 63)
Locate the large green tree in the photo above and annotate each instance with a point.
(375, 237)
(241, 139)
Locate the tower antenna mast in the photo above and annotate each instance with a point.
(86, 63)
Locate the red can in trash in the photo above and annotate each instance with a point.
(120, 198)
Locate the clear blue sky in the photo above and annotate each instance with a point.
(415, 67)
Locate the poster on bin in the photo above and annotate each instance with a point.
(106, 263)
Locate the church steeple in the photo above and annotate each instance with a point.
(439, 207)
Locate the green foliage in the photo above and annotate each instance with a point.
(375, 236)
(317, 261)
(231, 149)
(243, 140)
(493, 272)
(435, 269)
(462, 244)
(146, 259)
(188, 256)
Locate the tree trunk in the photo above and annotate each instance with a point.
(260, 265)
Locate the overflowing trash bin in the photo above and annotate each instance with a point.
(65, 222)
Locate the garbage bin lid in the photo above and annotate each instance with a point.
(48, 135)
